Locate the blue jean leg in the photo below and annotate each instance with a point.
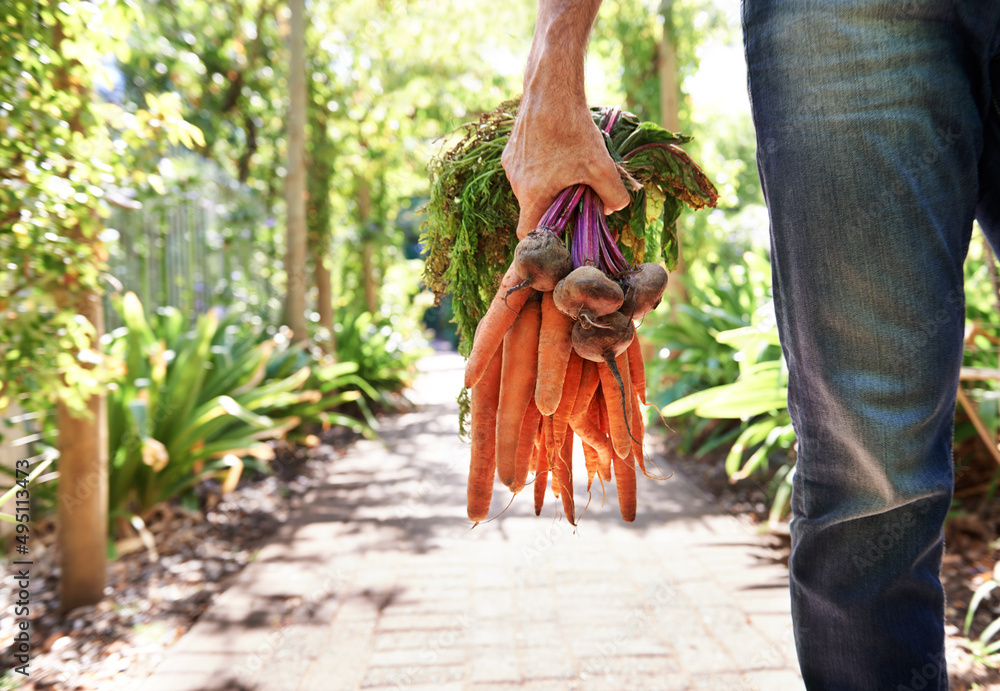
(869, 118)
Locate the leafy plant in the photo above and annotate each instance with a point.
(984, 649)
(337, 384)
(727, 366)
(191, 405)
(60, 152)
(720, 298)
(757, 398)
(385, 354)
(26, 480)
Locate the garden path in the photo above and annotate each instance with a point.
(378, 583)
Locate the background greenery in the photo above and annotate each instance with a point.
(143, 159)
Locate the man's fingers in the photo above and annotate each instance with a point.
(528, 220)
(611, 190)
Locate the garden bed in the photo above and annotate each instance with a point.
(153, 599)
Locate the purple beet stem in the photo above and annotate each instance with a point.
(592, 242)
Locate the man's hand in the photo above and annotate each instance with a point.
(555, 143)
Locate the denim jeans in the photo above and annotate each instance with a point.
(878, 144)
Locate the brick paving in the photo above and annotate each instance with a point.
(378, 583)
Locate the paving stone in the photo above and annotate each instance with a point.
(493, 666)
(546, 663)
(411, 676)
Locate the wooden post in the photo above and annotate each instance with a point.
(295, 179)
(82, 494)
(320, 231)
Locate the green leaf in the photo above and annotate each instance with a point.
(977, 597)
(748, 337)
(669, 245)
(744, 403)
(692, 401)
(36, 471)
(751, 436)
(990, 631)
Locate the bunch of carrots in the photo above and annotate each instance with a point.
(555, 355)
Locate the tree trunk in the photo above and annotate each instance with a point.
(368, 274)
(324, 296)
(369, 284)
(82, 493)
(295, 188)
(670, 120)
(321, 157)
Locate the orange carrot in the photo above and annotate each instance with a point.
(597, 418)
(602, 413)
(593, 462)
(525, 446)
(493, 326)
(590, 379)
(517, 386)
(485, 398)
(562, 476)
(554, 348)
(548, 432)
(580, 420)
(619, 405)
(637, 370)
(638, 431)
(536, 448)
(571, 385)
(541, 469)
(625, 484)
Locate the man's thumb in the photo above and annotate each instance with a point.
(612, 192)
(527, 221)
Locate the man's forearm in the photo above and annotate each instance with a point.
(554, 142)
(555, 63)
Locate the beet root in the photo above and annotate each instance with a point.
(587, 293)
(603, 338)
(603, 341)
(542, 259)
(644, 290)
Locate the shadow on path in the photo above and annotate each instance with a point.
(380, 582)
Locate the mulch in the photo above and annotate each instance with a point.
(152, 599)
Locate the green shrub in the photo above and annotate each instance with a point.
(725, 363)
(337, 384)
(758, 399)
(720, 298)
(190, 405)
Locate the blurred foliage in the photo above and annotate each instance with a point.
(721, 297)
(720, 370)
(386, 345)
(61, 151)
(384, 79)
(985, 647)
(199, 403)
